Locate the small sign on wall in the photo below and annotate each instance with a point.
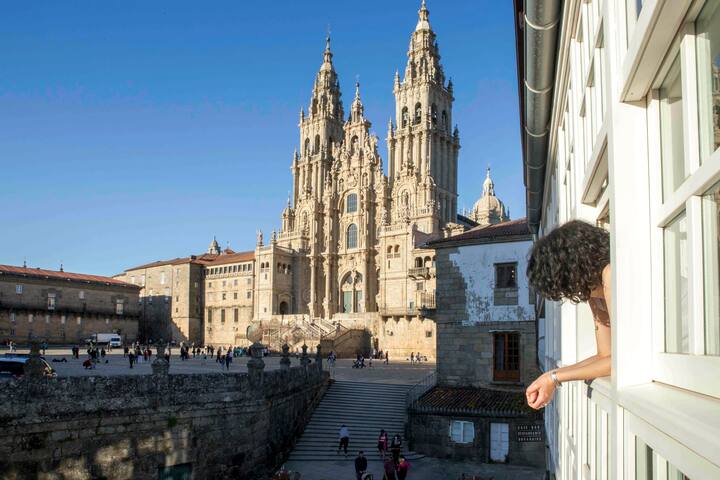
(529, 433)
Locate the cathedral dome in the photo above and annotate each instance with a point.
(489, 209)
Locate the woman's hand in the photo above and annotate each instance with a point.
(540, 392)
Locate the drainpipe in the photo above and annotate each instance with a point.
(537, 34)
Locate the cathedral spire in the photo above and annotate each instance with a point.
(327, 55)
(488, 185)
(357, 109)
(423, 16)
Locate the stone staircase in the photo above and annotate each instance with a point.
(365, 408)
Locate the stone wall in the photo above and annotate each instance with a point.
(465, 353)
(132, 427)
(431, 436)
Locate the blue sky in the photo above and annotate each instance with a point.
(132, 131)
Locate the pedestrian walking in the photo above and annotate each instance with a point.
(389, 469)
(344, 439)
(387, 358)
(126, 350)
(403, 468)
(228, 359)
(395, 448)
(361, 465)
(131, 359)
(382, 445)
(412, 358)
(102, 355)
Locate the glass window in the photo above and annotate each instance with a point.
(51, 301)
(707, 39)
(674, 167)
(505, 275)
(711, 264)
(119, 307)
(676, 286)
(352, 236)
(351, 203)
(18, 289)
(462, 431)
(506, 357)
(81, 295)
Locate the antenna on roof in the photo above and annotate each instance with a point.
(61, 266)
(24, 262)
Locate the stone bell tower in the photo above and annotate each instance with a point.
(422, 146)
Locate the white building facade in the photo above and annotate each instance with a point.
(620, 107)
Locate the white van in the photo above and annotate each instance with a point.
(112, 339)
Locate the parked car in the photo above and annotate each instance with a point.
(14, 367)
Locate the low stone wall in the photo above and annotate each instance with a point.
(156, 426)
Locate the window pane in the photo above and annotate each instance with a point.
(643, 461)
(676, 286)
(708, 73)
(674, 170)
(711, 262)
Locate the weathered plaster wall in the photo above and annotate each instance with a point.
(476, 266)
(129, 427)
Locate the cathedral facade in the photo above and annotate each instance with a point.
(349, 249)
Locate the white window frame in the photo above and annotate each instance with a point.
(81, 294)
(684, 370)
(120, 307)
(19, 289)
(464, 426)
(51, 301)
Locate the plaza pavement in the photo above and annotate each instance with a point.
(398, 372)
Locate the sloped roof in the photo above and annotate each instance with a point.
(487, 233)
(475, 401)
(61, 275)
(229, 256)
(233, 258)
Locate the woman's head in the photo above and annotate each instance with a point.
(568, 262)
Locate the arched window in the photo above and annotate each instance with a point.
(427, 262)
(389, 249)
(444, 120)
(353, 145)
(351, 203)
(306, 149)
(352, 236)
(316, 146)
(433, 114)
(418, 262)
(418, 113)
(397, 248)
(405, 117)
(405, 199)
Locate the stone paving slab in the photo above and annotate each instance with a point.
(422, 469)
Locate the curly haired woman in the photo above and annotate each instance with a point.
(573, 262)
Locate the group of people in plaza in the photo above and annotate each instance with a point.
(395, 465)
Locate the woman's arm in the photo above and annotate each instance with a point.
(541, 391)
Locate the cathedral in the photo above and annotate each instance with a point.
(350, 247)
(350, 254)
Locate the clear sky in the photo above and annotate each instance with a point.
(135, 130)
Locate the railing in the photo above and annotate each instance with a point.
(425, 300)
(419, 272)
(419, 389)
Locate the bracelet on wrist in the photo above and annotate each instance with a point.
(554, 378)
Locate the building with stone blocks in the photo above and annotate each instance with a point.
(62, 307)
(229, 299)
(351, 234)
(486, 351)
(180, 298)
(620, 129)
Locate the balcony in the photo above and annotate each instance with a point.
(425, 301)
(421, 272)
